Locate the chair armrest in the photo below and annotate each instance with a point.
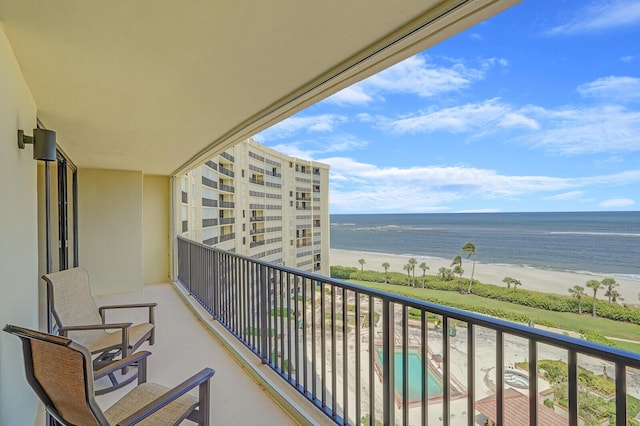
(133, 305)
(120, 325)
(171, 395)
(117, 365)
(150, 306)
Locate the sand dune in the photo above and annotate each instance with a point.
(533, 279)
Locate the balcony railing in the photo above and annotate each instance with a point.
(225, 171)
(361, 354)
(227, 188)
(227, 237)
(227, 156)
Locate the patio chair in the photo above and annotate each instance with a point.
(77, 316)
(60, 372)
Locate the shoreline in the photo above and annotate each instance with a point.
(543, 280)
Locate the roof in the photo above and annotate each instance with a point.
(163, 86)
(516, 410)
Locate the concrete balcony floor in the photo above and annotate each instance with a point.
(187, 341)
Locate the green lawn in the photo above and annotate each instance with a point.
(564, 320)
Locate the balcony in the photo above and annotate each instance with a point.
(225, 171)
(185, 344)
(227, 237)
(227, 156)
(227, 220)
(173, 133)
(227, 188)
(359, 353)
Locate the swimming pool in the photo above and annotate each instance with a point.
(414, 369)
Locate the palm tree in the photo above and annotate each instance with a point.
(457, 269)
(594, 285)
(578, 291)
(362, 262)
(470, 249)
(508, 281)
(516, 282)
(610, 284)
(385, 265)
(615, 296)
(412, 265)
(424, 268)
(407, 268)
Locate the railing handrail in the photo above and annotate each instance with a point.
(521, 330)
(248, 296)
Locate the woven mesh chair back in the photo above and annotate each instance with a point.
(72, 302)
(60, 371)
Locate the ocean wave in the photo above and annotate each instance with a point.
(610, 234)
(342, 224)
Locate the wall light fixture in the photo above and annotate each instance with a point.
(44, 143)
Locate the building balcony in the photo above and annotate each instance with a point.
(225, 171)
(227, 205)
(185, 345)
(227, 237)
(256, 231)
(227, 188)
(361, 353)
(227, 220)
(253, 244)
(227, 156)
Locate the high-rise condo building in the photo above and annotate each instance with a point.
(260, 203)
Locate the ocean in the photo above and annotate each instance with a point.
(593, 242)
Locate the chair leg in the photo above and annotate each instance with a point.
(204, 400)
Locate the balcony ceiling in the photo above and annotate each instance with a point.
(156, 86)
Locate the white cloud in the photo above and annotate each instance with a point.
(612, 89)
(310, 149)
(473, 117)
(315, 123)
(416, 75)
(571, 195)
(364, 117)
(352, 95)
(616, 203)
(600, 16)
(358, 186)
(567, 130)
(571, 131)
(517, 120)
(628, 58)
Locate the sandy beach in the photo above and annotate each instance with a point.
(533, 279)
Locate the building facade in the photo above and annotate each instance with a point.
(260, 203)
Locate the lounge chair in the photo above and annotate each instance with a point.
(61, 373)
(78, 317)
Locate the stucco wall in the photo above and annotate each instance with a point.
(156, 229)
(18, 237)
(110, 229)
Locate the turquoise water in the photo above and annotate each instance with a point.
(414, 363)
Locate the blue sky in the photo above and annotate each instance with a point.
(536, 109)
